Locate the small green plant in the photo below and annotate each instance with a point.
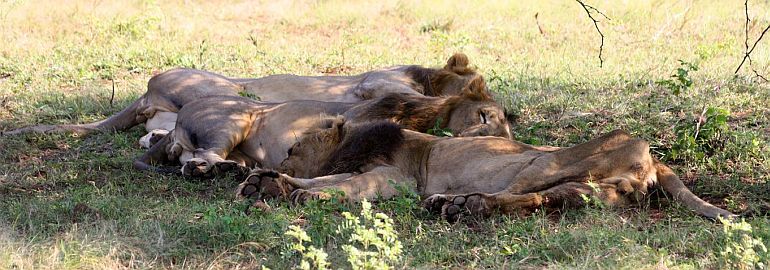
(249, 95)
(742, 250)
(312, 257)
(437, 25)
(317, 212)
(592, 200)
(681, 80)
(701, 138)
(407, 202)
(436, 130)
(373, 242)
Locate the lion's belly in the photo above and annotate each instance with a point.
(161, 120)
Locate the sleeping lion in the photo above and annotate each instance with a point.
(471, 175)
(220, 133)
(169, 91)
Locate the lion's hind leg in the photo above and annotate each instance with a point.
(207, 163)
(453, 207)
(566, 195)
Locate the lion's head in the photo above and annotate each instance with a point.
(475, 113)
(471, 113)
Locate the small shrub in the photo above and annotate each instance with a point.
(373, 241)
(681, 79)
(437, 25)
(701, 138)
(742, 249)
(312, 257)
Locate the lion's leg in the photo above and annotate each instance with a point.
(155, 154)
(369, 185)
(266, 184)
(152, 137)
(207, 163)
(211, 147)
(570, 194)
(605, 157)
(452, 207)
(242, 159)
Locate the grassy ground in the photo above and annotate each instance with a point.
(69, 202)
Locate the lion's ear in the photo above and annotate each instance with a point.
(458, 60)
(477, 89)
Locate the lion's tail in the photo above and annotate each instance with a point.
(672, 184)
(122, 120)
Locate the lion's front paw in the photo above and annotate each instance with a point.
(264, 184)
(452, 207)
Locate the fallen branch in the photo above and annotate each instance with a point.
(747, 55)
(588, 10)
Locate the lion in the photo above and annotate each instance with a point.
(468, 175)
(169, 91)
(219, 133)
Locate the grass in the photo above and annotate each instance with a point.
(70, 202)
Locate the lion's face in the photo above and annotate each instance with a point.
(475, 113)
(479, 118)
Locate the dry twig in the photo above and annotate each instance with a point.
(747, 55)
(588, 10)
(112, 96)
(539, 27)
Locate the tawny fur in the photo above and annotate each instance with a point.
(209, 131)
(169, 91)
(479, 175)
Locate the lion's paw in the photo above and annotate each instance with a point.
(453, 207)
(264, 184)
(152, 137)
(198, 167)
(226, 166)
(195, 167)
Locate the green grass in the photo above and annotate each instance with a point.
(69, 202)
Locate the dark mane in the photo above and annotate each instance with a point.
(418, 113)
(362, 145)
